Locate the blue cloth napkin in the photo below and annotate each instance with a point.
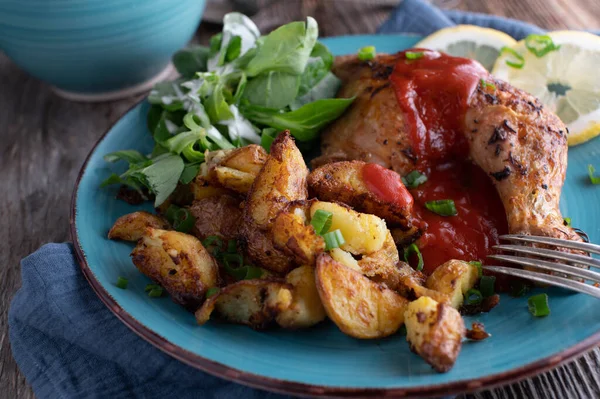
(68, 344)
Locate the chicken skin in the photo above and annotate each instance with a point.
(507, 133)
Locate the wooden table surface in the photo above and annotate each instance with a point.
(45, 140)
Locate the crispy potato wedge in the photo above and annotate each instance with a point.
(254, 303)
(234, 169)
(411, 285)
(293, 235)
(179, 263)
(363, 233)
(454, 278)
(343, 182)
(379, 266)
(131, 227)
(201, 189)
(434, 331)
(281, 181)
(218, 216)
(360, 307)
(306, 308)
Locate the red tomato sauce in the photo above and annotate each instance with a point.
(434, 92)
(386, 184)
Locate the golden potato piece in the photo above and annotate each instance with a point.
(411, 285)
(360, 307)
(281, 181)
(306, 309)
(293, 235)
(234, 169)
(454, 278)
(179, 263)
(434, 331)
(343, 182)
(131, 227)
(218, 216)
(201, 189)
(255, 303)
(363, 233)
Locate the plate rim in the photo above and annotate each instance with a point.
(285, 386)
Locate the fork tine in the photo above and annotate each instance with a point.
(550, 253)
(548, 279)
(582, 246)
(555, 267)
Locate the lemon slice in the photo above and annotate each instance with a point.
(565, 80)
(470, 41)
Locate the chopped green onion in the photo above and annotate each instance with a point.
(156, 292)
(540, 45)
(230, 259)
(538, 305)
(333, 239)
(413, 249)
(214, 245)
(479, 267)
(232, 246)
(122, 283)
(212, 291)
(184, 220)
(567, 222)
(486, 285)
(486, 85)
(252, 272)
(321, 221)
(515, 64)
(591, 171)
(171, 212)
(414, 179)
(442, 207)
(473, 297)
(366, 53)
(414, 55)
(150, 287)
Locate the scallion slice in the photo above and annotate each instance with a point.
(520, 61)
(333, 239)
(122, 283)
(214, 245)
(442, 207)
(414, 179)
(184, 220)
(409, 251)
(212, 291)
(538, 305)
(479, 267)
(473, 297)
(232, 246)
(366, 53)
(567, 222)
(414, 55)
(487, 285)
(321, 221)
(591, 172)
(540, 45)
(156, 292)
(487, 85)
(150, 287)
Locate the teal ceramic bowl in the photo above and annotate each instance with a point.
(322, 360)
(88, 48)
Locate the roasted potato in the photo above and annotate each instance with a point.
(218, 216)
(379, 266)
(234, 169)
(306, 309)
(360, 307)
(179, 263)
(411, 285)
(281, 181)
(344, 182)
(131, 227)
(201, 189)
(363, 233)
(434, 331)
(454, 278)
(293, 235)
(255, 303)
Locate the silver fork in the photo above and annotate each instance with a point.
(565, 269)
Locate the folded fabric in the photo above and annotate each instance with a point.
(68, 344)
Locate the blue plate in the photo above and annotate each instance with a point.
(322, 360)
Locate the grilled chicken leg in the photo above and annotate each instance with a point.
(521, 145)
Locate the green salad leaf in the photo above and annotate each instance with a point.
(191, 60)
(273, 89)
